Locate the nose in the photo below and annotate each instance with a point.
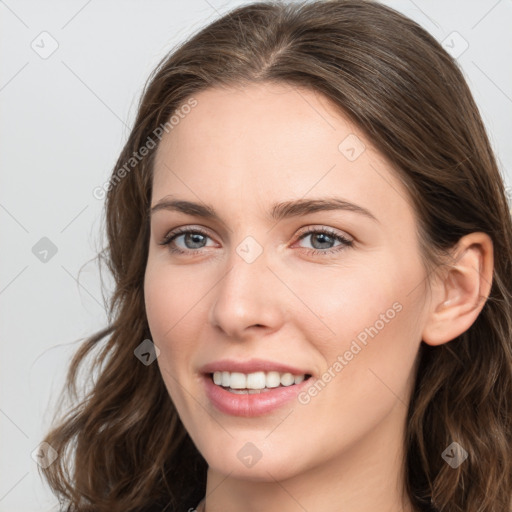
(247, 299)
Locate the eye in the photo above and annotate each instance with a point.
(196, 237)
(195, 240)
(326, 236)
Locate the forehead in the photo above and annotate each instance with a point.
(241, 121)
(266, 142)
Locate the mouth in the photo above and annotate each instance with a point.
(256, 382)
(253, 394)
(253, 387)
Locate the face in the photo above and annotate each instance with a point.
(333, 293)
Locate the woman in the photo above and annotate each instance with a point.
(249, 366)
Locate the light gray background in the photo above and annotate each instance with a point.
(63, 121)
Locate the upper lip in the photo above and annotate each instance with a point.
(251, 366)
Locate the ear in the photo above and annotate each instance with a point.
(460, 291)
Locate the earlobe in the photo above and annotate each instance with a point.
(461, 292)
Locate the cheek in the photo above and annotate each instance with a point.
(363, 381)
(374, 333)
(170, 311)
(160, 304)
(172, 298)
(169, 317)
(342, 303)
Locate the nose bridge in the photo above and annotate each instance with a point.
(248, 293)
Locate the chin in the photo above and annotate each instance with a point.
(257, 460)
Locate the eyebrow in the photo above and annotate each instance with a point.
(279, 211)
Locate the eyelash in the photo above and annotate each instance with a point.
(345, 242)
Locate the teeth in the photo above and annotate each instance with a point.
(255, 381)
(238, 381)
(273, 379)
(298, 379)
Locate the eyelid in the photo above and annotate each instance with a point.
(345, 241)
(184, 230)
(327, 229)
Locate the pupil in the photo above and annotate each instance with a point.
(323, 235)
(194, 236)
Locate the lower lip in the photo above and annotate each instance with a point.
(249, 405)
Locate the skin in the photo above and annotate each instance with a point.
(240, 151)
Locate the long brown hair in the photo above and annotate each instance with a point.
(122, 445)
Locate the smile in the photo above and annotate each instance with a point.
(256, 382)
(264, 397)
